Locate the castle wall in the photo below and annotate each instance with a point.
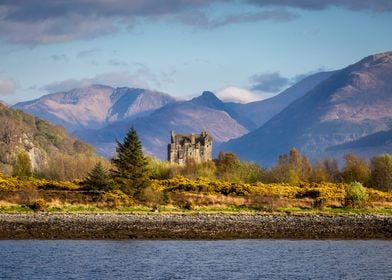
(185, 147)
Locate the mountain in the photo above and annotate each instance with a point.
(255, 114)
(367, 146)
(210, 100)
(201, 113)
(352, 103)
(40, 139)
(95, 106)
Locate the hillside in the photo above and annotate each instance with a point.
(95, 106)
(40, 139)
(259, 112)
(367, 146)
(352, 103)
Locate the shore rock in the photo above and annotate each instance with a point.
(193, 226)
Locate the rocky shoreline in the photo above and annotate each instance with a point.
(194, 226)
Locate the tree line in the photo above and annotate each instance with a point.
(130, 170)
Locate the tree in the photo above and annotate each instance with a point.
(356, 169)
(131, 172)
(99, 179)
(306, 169)
(318, 173)
(22, 165)
(227, 166)
(295, 159)
(332, 170)
(381, 172)
(293, 178)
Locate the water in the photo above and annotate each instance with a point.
(234, 259)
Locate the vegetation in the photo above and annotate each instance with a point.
(130, 165)
(56, 155)
(355, 195)
(99, 179)
(73, 179)
(381, 172)
(22, 165)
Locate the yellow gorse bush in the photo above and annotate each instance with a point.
(324, 191)
(13, 183)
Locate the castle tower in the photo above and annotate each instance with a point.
(185, 147)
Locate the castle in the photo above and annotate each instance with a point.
(185, 147)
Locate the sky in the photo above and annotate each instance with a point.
(243, 50)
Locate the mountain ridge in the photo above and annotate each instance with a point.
(94, 106)
(337, 110)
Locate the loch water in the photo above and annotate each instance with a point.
(176, 259)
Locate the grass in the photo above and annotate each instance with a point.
(338, 210)
(219, 209)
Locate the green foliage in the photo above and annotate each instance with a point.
(99, 179)
(293, 178)
(381, 168)
(159, 169)
(249, 172)
(22, 166)
(355, 195)
(131, 172)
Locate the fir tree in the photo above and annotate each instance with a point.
(130, 164)
(99, 179)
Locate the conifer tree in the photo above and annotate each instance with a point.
(130, 164)
(99, 179)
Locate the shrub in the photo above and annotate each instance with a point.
(38, 205)
(116, 199)
(356, 195)
(188, 205)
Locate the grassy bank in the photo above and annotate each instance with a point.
(182, 195)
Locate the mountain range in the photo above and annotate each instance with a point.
(95, 106)
(322, 115)
(352, 103)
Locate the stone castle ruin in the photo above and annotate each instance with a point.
(185, 147)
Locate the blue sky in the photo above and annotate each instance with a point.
(242, 50)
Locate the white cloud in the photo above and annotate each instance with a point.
(138, 79)
(238, 95)
(7, 86)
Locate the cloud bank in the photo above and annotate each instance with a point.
(50, 21)
(115, 79)
(237, 95)
(269, 82)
